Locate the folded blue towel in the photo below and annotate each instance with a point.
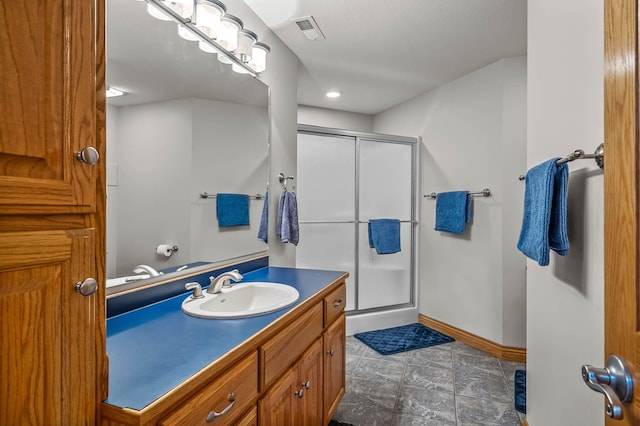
(453, 210)
(232, 210)
(544, 223)
(287, 227)
(384, 235)
(264, 219)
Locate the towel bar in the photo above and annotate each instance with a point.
(253, 197)
(485, 193)
(579, 154)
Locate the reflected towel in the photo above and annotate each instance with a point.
(384, 235)
(264, 220)
(232, 210)
(287, 227)
(453, 210)
(544, 223)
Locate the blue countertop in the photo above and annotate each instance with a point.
(155, 348)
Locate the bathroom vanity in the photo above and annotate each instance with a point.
(282, 368)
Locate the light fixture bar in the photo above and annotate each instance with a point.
(188, 25)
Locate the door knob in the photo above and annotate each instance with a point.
(614, 382)
(88, 155)
(87, 287)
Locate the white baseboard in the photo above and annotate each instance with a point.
(377, 320)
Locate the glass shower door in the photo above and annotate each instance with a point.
(385, 184)
(326, 206)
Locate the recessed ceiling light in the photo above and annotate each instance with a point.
(333, 94)
(112, 92)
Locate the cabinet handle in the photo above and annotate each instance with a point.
(88, 155)
(87, 287)
(337, 303)
(307, 384)
(299, 393)
(331, 352)
(214, 415)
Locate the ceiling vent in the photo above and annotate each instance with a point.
(309, 28)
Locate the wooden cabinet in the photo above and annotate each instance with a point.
(47, 328)
(334, 367)
(222, 400)
(49, 57)
(52, 351)
(296, 399)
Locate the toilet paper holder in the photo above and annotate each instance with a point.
(166, 249)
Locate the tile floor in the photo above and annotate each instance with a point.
(450, 384)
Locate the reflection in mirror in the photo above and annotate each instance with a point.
(187, 124)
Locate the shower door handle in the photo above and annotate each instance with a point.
(614, 382)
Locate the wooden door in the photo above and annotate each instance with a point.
(277, 406)
(48, 110)
(48, 354)
(310, 379)
(622, 320)
(334, 367)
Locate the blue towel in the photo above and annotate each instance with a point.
(384, 235)
(264, 219)
(544, 223)
(453, 210)
(287, 228)
(232, 210)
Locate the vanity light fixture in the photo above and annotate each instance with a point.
(259, 57)
(246, 40)
(207, 22)
(228, 37)
(333, 94)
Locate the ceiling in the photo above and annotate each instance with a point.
(379, 53)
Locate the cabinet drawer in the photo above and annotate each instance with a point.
(242, 381)
(334, 304)
(278, 354)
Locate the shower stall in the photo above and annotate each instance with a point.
(346, 178)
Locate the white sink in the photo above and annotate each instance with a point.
(242, 300)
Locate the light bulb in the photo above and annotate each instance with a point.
(258, 60)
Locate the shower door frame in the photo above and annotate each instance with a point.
(414, 143)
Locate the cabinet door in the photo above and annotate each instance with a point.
(48, 355)
(334, 367)
(48, 105)
(276, 408)
(310, 378)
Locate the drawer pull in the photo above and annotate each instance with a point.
(214, 415)
(307, 384)
(299, 393)
(331, 352)
(337, 303)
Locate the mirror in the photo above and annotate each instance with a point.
(187, 125)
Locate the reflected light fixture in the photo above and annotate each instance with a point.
(113, 92)
(207, 22)
(333, 94)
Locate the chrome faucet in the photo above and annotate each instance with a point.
(141, 269)
(223, 280)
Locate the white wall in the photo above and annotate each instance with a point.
(565, 320)
(335, 119)
(282, 77)
(473, 132)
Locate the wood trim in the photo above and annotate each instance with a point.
(507, 353)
